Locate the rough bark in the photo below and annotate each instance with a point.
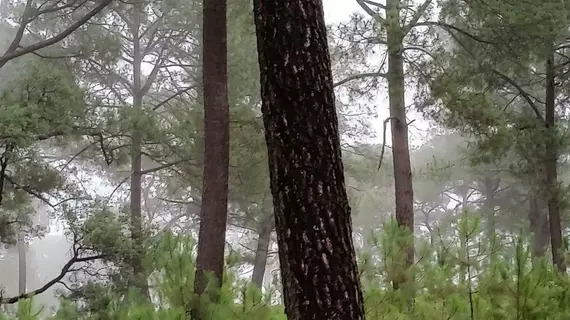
(213, 214)
(260, 261)
(312, 214)
(400, 151)
(551, 168)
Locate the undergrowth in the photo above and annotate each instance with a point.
(461, 275)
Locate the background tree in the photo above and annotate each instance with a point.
(214, 211)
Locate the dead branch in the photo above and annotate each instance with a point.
(66, 268)
(384, 140)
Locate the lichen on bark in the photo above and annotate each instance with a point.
(312, 215)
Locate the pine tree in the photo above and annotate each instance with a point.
(312, 214)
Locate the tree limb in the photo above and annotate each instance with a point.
(66, 268)
(360, 76)
(55, 39)
(364, 5)
(448, 27)
(163, 166)
(421, 11)
(384, 140)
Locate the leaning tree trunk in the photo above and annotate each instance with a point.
(400, 151)
(312, 214)
(551, 168)
(213, 214)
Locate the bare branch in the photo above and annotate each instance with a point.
(66, 268)
(374, 3)
(384, 140)
(364, 4)
(449, 27)
(164, 166)
(172, 97)
(417, 16)
(75, 55)
(20, 33)
(29, 190)
(360, 76)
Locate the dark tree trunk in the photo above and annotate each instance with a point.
(260, 261)
(538, 224)
(400, 151)
(312, 215)
(551, 168)
(213, 214)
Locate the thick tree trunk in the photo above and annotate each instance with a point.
(139, 274)
(400, 150)
(213, 214)
(551, 169)
(312, 214)
(260, 261)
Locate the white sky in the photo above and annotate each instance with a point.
(340, 10)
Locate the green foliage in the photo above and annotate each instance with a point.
(43, 102)
(454, 278)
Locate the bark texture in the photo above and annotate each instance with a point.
(551, 168)
(213, 214)
(312, 214)
(400, 151)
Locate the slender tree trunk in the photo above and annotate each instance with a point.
(463, 237)
(400, 150)
(139, 274)
(22, 265)
(312, 215)
(538, 224)
(490, 185)
(551, 168)
(213, 214)
(260, 261)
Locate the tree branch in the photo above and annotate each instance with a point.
(384, 140)
(448, 28)
(164, 166)
(66, 268)
(417, 16)
(55, 39)
(360, 76)
(172, 97)
(364, 5)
